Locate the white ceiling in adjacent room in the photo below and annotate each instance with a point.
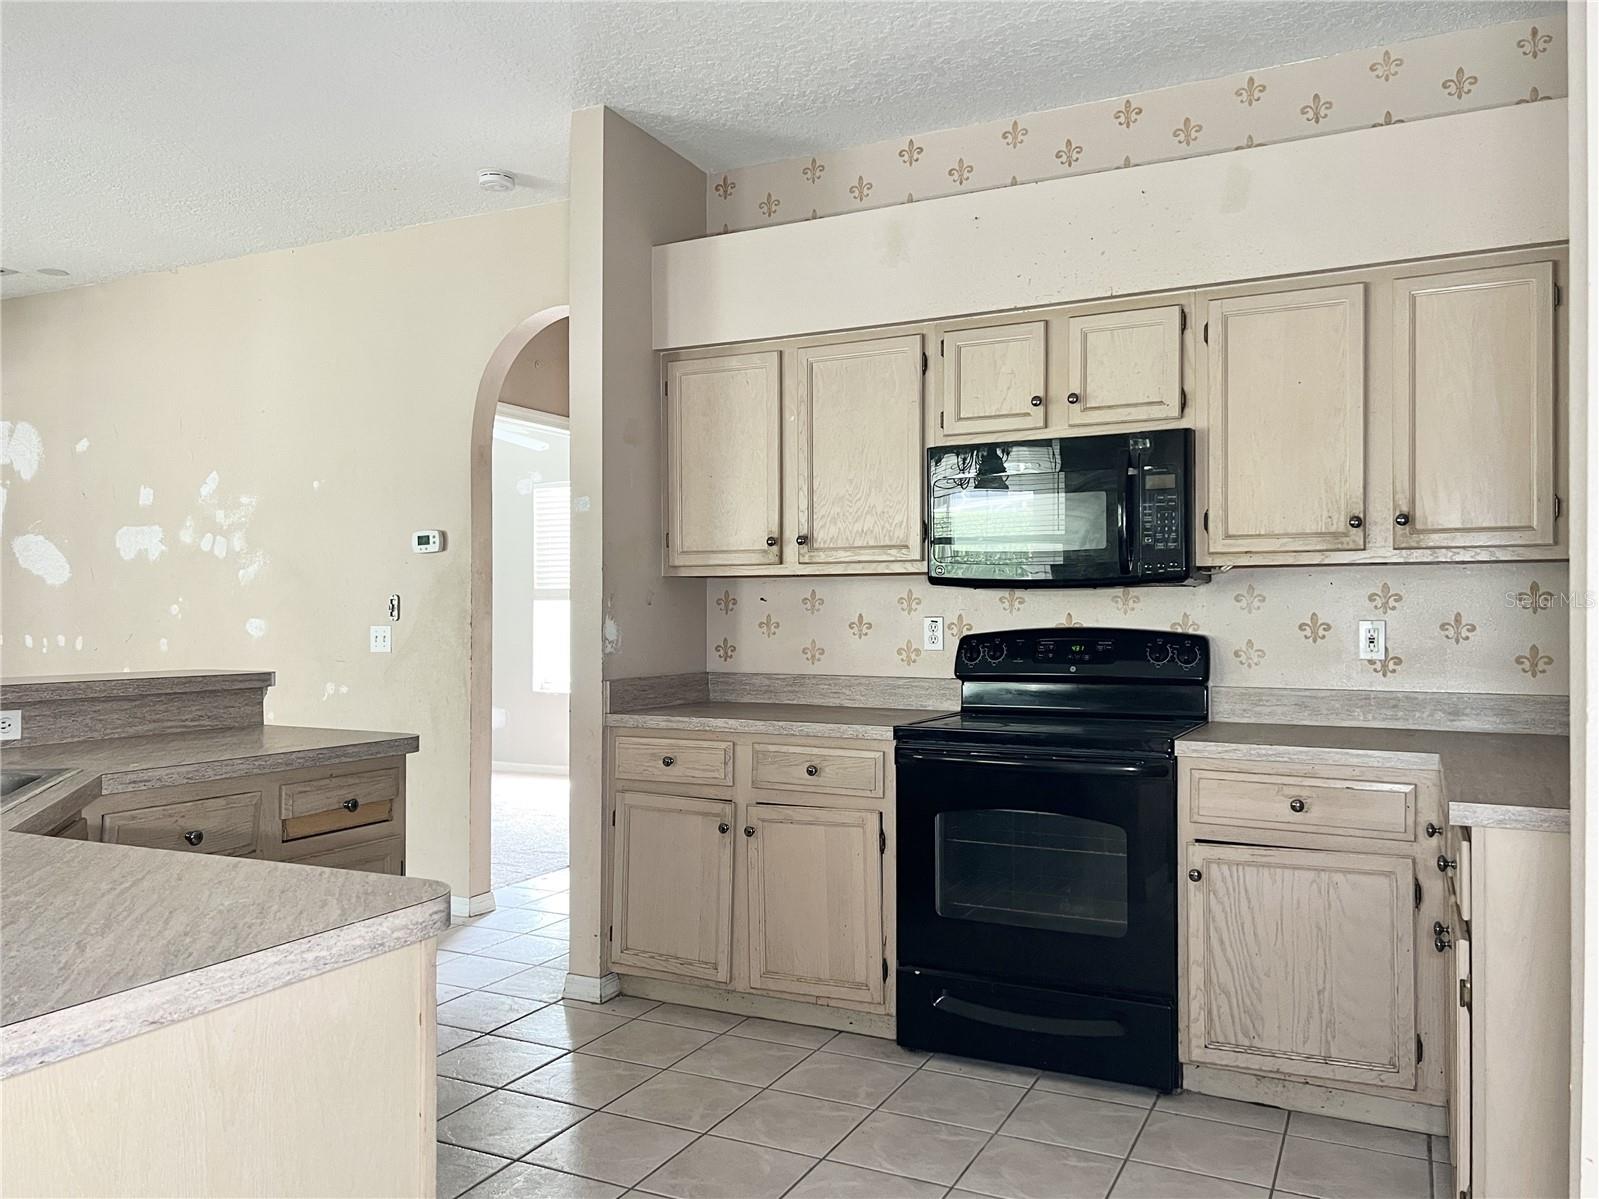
(146, 136)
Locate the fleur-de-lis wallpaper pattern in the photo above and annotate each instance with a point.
(1482, 627)
(1493, 67)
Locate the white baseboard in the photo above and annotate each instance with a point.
(461, 907)
(592, 990)
(529, 768)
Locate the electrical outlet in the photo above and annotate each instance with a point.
(1373, 640)
(394, 607)
(381, 643)
(933, 632)
(11, 724)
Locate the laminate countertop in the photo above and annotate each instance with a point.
(778, 720)
(1505, 780)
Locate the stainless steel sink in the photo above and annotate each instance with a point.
(19, 785)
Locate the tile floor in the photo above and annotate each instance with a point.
(540, 1098)
(528, 815)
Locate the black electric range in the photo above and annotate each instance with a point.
(1037, 861)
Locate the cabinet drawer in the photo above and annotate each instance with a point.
(811, 768)
(220, 824)
(1336, 807)
(662, 760)
(343, 801)
(377, 857)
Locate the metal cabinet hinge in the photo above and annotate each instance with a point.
(1557, 295)
(610, 932)
(1421, 1050)
(1463, 997)
(1418, 894)
(940, 347)
(882, 841)
(940, 420)
(1182, 320)
(1207, 333)
(666, 389)
(1558, 506)
(1207, 520)
(885, 969)
(924, 362)
(1182, 400)
(613, 814)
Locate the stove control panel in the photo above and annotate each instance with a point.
(1043, 654)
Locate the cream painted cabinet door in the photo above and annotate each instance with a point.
(723, 461)
(1286, 407)
(673, 898)
(815, 901)
(1125, 367)
(993, 380)
(858, 452)
(1474, 408)
(1301, 963)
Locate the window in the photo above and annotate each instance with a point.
(552, 583)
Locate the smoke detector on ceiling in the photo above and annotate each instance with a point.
(496, 181)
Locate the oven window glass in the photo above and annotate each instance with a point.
(1032, 870)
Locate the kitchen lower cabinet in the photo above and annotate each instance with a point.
(815, 910)
(673, 902)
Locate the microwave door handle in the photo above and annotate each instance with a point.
(1124, 518)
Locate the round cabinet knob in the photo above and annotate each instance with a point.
(1445, 864)
(749, 830)
(771, 541)
(350, 805)
(1296, 805)
(1073, 398)
(1432, 829)
(1037, 401)
(723, 827)
(1355, 522)
(811, 770)
(668, 760)
(194, 836)
(801, 539)
(1442, 936)
(1194, 876)
(1401, 519)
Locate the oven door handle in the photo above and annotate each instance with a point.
(1056, 1026)
(1057, 763)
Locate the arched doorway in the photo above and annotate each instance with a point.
(527, 371)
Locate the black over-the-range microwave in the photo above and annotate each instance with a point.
(1063, 512)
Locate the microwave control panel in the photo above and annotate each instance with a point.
(1160, 521)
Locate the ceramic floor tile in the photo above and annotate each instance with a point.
(1364, 1136)
(611, 1148)
(560, 927)
(495, 1061)
(1020, 1076)
(562, 1026)
(1226, 1111)
(513, 897)
(540, 982)
(562, 963)
(879, 1049)
(454, 1038)
(914, 1148)
(1139, 1180)
(531, 949)
(797, 1123)
(648, 1044)
(1012, 1169)
(781, 1033)
(468, 938)
(712, 1168)
(473, 972)
(484, 1011)
(1093, 1088)
(955, 1099)
(619, 1005)
(584, 1080)
(856, 1080)
(1209, 1147)
(691, 1017)
(461, 1169)
(836, 1180)
(1330, 1171)
(522, 1181)
(557, 901)
(520, 919)
(508, 1124)
(453, 1095)
(1073, 1120)
(683, 1100)
(735, 1059)
(444, 991)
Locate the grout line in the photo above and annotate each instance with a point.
(1282, 1147)
(1133, 1144)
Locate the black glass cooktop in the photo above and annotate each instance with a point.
(1063, 733)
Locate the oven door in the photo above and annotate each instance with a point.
(1042, 513)
(1039, 869)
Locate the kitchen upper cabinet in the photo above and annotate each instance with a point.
(1124, 368)
(858, 451)
(1286, 407)
(815, 907)
(1474, 408)
(1301, 963)
(724, 460)
(993, 380)
(672, 909)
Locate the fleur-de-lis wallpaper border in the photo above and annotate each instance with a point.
(1492, 67)
(1483, 627)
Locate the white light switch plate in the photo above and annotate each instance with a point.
(11, 724)
(933, 632)
(380, 639)
(1373, 640)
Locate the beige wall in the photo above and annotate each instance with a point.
(306, 410)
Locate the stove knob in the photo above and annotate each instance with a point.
(995, 651)
(1187, 654)
(1158, 652)
(972, 652)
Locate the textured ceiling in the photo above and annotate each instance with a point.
(146, 136)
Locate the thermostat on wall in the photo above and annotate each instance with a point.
(427, 541)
